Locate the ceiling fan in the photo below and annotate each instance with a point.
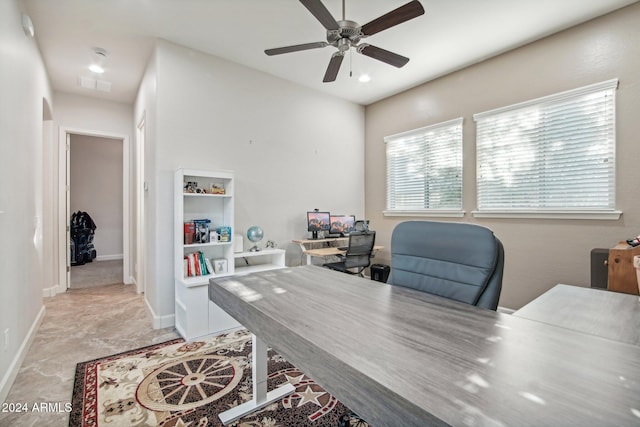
(345, 34)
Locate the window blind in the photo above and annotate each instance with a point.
(424, 168)
(553, 153)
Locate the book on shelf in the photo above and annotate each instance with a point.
(224, 234)
(203, 264)
(196, 264)
(189, 232)
(209, 266)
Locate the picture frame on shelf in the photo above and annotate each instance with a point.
(220, 266)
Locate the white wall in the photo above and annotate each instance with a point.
(145, 109)
(292, 149)
(23, 85)
(96, 188)
(83, 113)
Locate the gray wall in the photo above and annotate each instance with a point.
(539, 253)
(96, 188)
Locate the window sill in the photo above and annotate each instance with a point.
(427, 213)
(559, 214)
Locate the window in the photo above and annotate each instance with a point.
(424, 171)
(549, 157)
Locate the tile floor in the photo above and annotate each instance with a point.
(79, 325)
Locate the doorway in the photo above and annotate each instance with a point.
(86, 171)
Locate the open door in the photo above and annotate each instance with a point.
(64, 261)
(67, 193)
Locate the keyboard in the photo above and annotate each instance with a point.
(343, 248)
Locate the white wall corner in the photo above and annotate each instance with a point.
(9, 377)
(50, 292)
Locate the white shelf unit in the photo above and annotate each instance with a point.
(196, 316)
(262, 260)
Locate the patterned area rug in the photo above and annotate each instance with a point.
(189, 384)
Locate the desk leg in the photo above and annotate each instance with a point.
(261, 397)
(308, 259)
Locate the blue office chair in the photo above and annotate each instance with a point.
(460, 261)
(358, 254)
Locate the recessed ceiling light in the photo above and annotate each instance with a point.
(364, 78)
(96, 68)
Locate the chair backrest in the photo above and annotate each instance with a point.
(360, 249)
(460, 261)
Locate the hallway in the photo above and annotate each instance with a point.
(79, 325)
(96, 273)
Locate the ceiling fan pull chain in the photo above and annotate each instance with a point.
(350, 63)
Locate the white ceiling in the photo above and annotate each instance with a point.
(451, 35)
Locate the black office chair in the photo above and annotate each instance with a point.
(455, 260)
(358, 254)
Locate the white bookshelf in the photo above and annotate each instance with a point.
(196, 316)
(262, 260)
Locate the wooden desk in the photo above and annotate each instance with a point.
(398, 357)
(328, 241)
(607, 314)
(330, 251)
(329, 247)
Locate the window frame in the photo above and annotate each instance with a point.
(426, 212)
(548, 213)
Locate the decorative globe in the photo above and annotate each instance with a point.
(255, 233)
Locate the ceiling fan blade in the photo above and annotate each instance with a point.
(383, 55)
(321, 13)
(397, 16)
(295, 48)
(333, 68)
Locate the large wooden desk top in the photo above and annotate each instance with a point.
(398, 357)
(598, 312)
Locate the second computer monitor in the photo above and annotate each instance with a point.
(342, 224)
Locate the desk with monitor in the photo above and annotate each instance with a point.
(328, 247)
(397, 356)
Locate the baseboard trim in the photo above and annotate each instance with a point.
(505, 310)
(50, 292)
(16, 363)
(160, 322)
(109, 257)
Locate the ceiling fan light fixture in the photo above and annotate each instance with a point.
(345, 34)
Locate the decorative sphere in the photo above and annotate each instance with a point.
(255, 233)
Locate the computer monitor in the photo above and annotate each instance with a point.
(361, 225)
(318, 221)
(342, 224)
